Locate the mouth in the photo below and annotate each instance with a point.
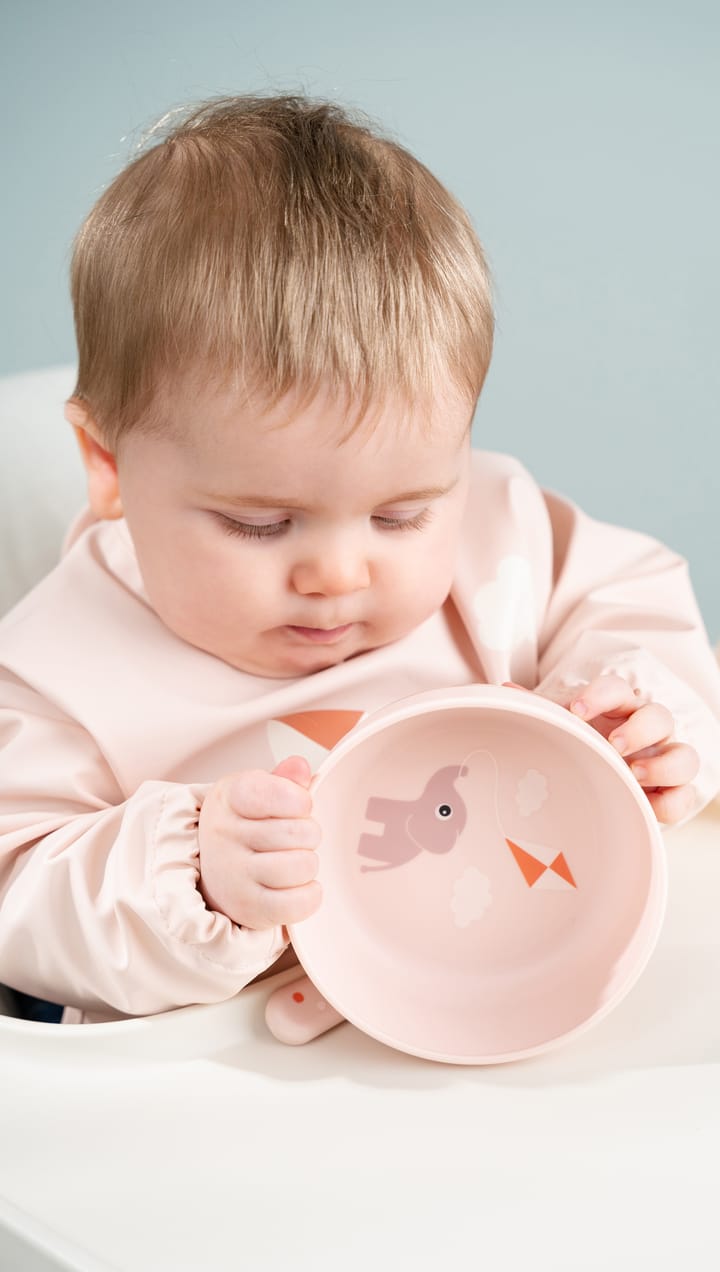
(321, 635)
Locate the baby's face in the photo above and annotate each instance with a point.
(266, 540)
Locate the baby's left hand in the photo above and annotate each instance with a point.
(641, 733)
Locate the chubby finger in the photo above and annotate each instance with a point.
(257, 794)
(670, 806)
(272, 907)
(284, 869)
(675, 765)
(278, 834)
(605, 695)
(647, 727)
(296, 768)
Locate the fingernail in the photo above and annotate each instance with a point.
(579, 707)
(639, 771)
(618, 742)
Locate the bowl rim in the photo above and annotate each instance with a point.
(523, 702)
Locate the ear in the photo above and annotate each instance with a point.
(100, 464)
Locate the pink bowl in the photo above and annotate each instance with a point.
(494, 878)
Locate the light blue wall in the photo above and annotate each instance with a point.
(582, 137)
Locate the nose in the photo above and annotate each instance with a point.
(334, 570)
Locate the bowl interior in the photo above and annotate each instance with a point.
(490, 883)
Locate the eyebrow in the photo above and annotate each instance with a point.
(272, 501)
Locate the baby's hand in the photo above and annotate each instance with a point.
(641, 733)
(257, 847)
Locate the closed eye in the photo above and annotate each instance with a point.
(247, 530)
(417, 522)
(273, 529)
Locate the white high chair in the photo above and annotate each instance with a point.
(42, 482)
(195, 1140)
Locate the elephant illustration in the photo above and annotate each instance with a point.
(432, 822)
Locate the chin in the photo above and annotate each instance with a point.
(303, 662)
(287, 667)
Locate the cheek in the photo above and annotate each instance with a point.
(232, 579)
(440, 560)
(186, 571)
(438, 553)
(423, 573)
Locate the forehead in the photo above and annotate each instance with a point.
(204, 416)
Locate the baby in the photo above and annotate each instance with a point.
(284, 322)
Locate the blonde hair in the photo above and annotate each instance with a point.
(284, 241)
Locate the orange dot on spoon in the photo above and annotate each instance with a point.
(298, 997)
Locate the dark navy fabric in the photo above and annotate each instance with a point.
(29, 1008)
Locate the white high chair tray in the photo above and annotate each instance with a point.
(195, 1140)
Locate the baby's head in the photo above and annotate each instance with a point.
(283, 323)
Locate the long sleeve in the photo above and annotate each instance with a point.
(622, 602)
(99, 904)
(552, 598)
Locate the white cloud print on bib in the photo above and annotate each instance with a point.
(503, 613)
(503, 607)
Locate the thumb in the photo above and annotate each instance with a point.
(296, 769)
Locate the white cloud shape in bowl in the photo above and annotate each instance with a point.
(532, 791)
(472, 896)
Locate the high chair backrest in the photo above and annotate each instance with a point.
(42, 484)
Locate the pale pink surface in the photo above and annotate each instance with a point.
(457, 955)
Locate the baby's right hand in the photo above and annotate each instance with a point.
(257, 847)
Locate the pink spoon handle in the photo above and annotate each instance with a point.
(296, 1013)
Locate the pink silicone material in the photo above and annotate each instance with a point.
(494, 878)
(297, 1012)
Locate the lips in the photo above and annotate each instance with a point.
(320, 635)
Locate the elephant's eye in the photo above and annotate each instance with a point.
(443, 811)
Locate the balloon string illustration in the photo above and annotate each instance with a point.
(532, 867)
(496, 791)
(462, 771)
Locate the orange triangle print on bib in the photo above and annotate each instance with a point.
(311, 734)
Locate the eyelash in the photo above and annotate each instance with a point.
(417, 522)
(244, 530)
